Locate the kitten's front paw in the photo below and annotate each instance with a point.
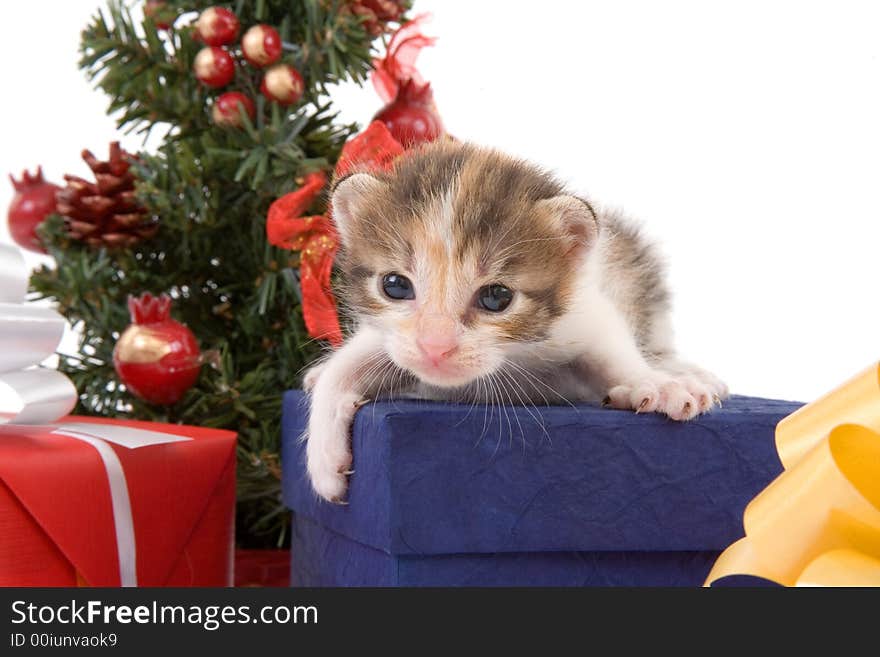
(678, 397)
(328, 447)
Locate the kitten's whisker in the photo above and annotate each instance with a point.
(374, 366)
(470, 408)
(383, 377)
(397, 378)
(502, 389)
(377, 369)
(485, 398)
(501, 408)
(525, 405)
(536, 379)
(508, 377)
(374, 359)
(519, 370)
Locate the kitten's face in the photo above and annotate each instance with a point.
(459, 256)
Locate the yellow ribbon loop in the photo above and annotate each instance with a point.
(841, 568)
(818, 523)
(855, 402)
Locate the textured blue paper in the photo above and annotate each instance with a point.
(320, 557)
(445, 479)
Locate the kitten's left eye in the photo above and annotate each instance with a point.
(397, 287)
(494, 298)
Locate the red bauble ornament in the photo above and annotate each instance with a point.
(156, 357)
(214, 67)
(34, 200)
(412, 117)
(163, 15)
(226, 112)
(282, 84)
(261, 45)
(410, 113)
(216, 26)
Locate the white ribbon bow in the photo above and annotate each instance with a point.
(28, 335)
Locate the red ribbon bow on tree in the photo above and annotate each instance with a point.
(398, 66)
(315, 236)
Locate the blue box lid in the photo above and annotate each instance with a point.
(436, 478)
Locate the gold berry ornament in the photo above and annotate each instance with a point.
(217, 26)
(156, 357)
(226, 109)
(261, 45)
(282, 84)
(214, 67)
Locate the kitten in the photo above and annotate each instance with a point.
(475, 276)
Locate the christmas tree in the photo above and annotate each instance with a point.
(188, 219)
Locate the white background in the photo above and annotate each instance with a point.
(746, 137)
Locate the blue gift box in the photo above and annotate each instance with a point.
(453, 495)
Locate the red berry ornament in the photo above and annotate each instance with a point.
(410, 113)
(411, 117)
(282, 84)
(226, 109)
(34, 200)
(156, 357)
(217, 26)
(214, 67)
(163, 15)
(261, 45)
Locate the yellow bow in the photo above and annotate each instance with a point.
(818, 523)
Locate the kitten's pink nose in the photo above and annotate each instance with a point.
(438, 338)
(437, 352)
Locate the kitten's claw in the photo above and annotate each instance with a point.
(347, 473)
(361, 402)
(679, 397)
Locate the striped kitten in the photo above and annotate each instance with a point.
(475, 276)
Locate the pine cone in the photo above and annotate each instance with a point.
(105, 212)
(378, 13)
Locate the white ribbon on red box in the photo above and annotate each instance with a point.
(39, 396)
(28, 335)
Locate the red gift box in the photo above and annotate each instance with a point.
(99, 502)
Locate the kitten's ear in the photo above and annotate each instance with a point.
(574, 217)
(349, 198)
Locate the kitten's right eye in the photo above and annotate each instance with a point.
(398, 287)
